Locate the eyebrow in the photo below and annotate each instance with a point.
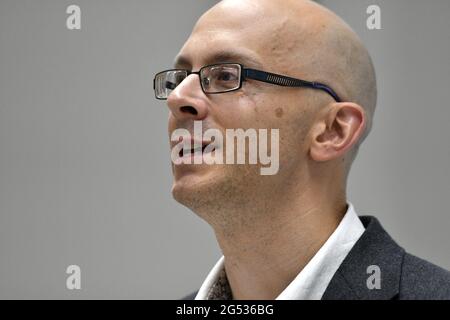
(221, 57)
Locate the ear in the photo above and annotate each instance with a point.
(337, 131)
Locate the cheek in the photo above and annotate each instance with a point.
(260, 111)
(267, 111)
(293, 121)
(270, 111)
(239, 112)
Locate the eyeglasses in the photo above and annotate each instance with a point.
(227, 77)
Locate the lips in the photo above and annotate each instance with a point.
(198, 148)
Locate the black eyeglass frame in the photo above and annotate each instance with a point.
(258, 75)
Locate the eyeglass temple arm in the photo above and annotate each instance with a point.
(286, 81)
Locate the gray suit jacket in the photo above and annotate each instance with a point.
(403, 276)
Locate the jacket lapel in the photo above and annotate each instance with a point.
(374, 248)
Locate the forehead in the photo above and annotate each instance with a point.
(223, 35)
(222, 54)
(208, 47)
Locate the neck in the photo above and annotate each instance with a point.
(264, 253)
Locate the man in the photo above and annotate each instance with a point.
(293, 234)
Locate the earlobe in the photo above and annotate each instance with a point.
(338, 132)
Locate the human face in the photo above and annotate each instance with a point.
(255, 106)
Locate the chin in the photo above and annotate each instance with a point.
(196, 188)
(215, 189)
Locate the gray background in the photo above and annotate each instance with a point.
(84, 156)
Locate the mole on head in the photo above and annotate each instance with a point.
(279, 112)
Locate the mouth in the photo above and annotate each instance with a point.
(197, 150)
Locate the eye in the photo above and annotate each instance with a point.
(170, 85)
(206, 82)
(179, 79)
(226, 76)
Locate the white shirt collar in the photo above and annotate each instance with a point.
(313, 279)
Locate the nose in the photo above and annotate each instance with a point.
(187, 100)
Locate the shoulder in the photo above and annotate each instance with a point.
(421, 279)
(401, 274)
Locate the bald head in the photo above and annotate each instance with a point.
(303, 39)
